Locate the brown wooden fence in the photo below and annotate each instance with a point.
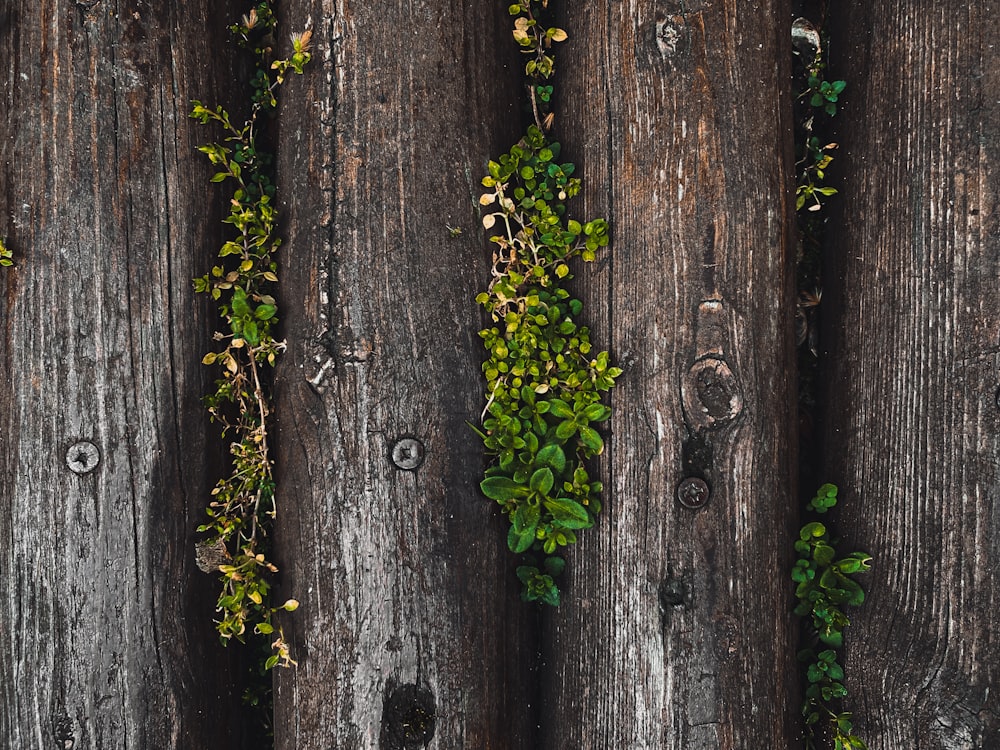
(676, 630)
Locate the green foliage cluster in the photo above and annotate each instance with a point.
(812, 173)
(6, 256)
(822, 97)
(544, 381)
(814, 106)
(242, 506)
(535, 38)
(823, 587)
(823, 93)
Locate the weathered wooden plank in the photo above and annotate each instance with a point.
(106, 635)
(409, 604)
(912, 306)
(676, 629)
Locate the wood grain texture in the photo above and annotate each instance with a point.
(106, 636)
(676, 630)
(914, 342)
(403, 576)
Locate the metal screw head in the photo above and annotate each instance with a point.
(693, 493)
(83, 457)
(407, 453)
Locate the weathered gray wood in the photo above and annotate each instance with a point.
(676, 631)
(914, 434)
(403, 576)
(106, 638)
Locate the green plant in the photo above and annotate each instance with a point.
(822, 97)
(823, 587)
(242, 506)
(6, 256)
(535, 38)
(814, 106)
(812, 172)
(824, 93)
(544, 382)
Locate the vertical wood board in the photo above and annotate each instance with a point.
(676, 631)
(409, 603)
(913, 335)
(107, 638)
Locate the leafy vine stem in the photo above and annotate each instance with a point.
(242, 508)
(544, 383)
(824, 583)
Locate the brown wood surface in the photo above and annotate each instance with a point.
(106, 638)
(676, 630)
(403, 576)
(912, 304)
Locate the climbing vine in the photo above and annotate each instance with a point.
(6, 256)
(242, 507)
(543, 380)
(824, 581)
(823, 587)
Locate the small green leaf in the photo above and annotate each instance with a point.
(250, 332)
(553, 456)
(265, 312)
(551, 596)
(597, 413)
(554, 566)
(591, 439)
(239, 303)
(812, 530)
(849, 565)
(525, 518)
(566, 429)
(502, 488)
(833, 638)
(823, 553)
(559, 408)
(542, 481)
(568, 512)
(519, 542)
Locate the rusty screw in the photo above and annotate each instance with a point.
(693, 493)
(82, 457)
(407, 453)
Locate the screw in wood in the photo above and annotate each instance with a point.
(82, 457)
(407, 453)
(693, 493)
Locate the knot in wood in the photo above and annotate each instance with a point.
(668, 35)
(62, 731)
(711, 394)
(408, 718)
